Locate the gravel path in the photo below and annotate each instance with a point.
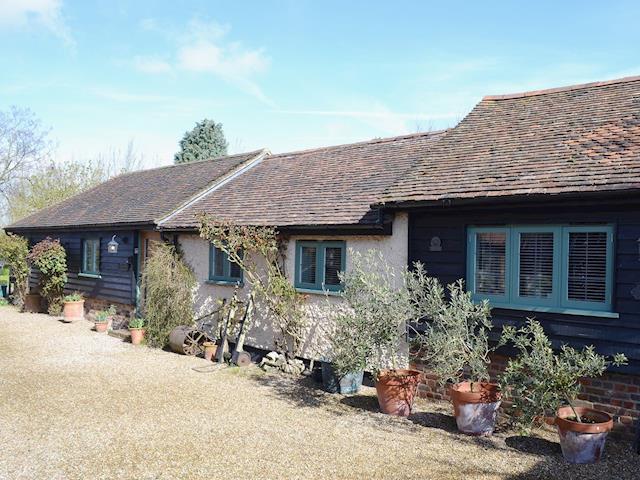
(75, 404)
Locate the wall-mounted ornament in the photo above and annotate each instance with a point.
(635, 293)
(435, 245)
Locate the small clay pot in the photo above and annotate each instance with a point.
(101, 326)
(137, 334)
(476, 410)
(73, 311)
(583, 442)
(396, 391)
(210, 349)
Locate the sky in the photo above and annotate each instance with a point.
(289, 75)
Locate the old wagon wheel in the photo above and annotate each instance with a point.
(192, 343)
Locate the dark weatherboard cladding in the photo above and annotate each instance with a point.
(116, 280)
(446, 258)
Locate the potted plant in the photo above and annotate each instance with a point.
(455, 346)
(210, 349)
(32, 302)
(541, 381)
(102, 318)
(136, 328)
(378, 296)
(73, 307)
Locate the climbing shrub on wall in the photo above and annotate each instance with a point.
(168, 290)
(50, 258)
(243, 245)
(14, 250)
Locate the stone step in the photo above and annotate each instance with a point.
(121, 333)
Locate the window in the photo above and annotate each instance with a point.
(546, 267)
(221, 269)
(318, 264)
(90, 256)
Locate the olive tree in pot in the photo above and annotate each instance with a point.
(455, 346)
(349, 351)
(50, 259)
(378, 297)
(541, 381)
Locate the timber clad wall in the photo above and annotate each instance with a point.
(117, 271)
(608, 335)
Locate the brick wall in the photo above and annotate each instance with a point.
(614, 393)
(123, 311)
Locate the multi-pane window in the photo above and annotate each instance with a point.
(221, 269)
(90, 256)
(318, 264)
(559, 267)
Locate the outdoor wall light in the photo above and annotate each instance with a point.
(112, 246)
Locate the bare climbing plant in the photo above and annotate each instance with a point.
(258, 251)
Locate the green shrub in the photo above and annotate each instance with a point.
(15, 250)
(539, 380)
(50, 258)
(168, 289)
(74, 297)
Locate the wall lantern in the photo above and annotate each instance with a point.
(112, 246)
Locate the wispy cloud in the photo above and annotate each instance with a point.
(372, 114)
(153, 65)
(119, 96)
(36, 13)
(203, 47)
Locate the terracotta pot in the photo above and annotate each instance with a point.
(32, 303)
(396, 390)
(583, 442)
(101, 326)
(210, 349)
(73, 311)
(475, 411)
(137, 334)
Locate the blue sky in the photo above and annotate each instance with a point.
(291, 74)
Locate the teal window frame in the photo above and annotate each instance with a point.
(226, 277)
(95, 261)
(559, 301)
(321, 247)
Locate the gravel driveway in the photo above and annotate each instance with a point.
(77, 404)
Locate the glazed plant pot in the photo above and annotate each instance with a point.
(73, 311)
(101, 326)
(475, 411)
(137, 335)
(345, 385)
(396, 391)
(583, 442)
(210, 350)
(32, 303)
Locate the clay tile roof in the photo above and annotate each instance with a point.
(325, 186)
(140, 197)
(582, 138)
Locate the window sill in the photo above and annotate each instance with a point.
(90, 275)
(329, 293)
(227, 283)
(563, 311)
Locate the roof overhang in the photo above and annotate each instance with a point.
(93, 227)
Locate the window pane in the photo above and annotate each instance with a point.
(490, 262)
(96, 256)
(308, 265)
(218, 262)
(332, 265)
(235, 271)
(536, 265)
(587, 275)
